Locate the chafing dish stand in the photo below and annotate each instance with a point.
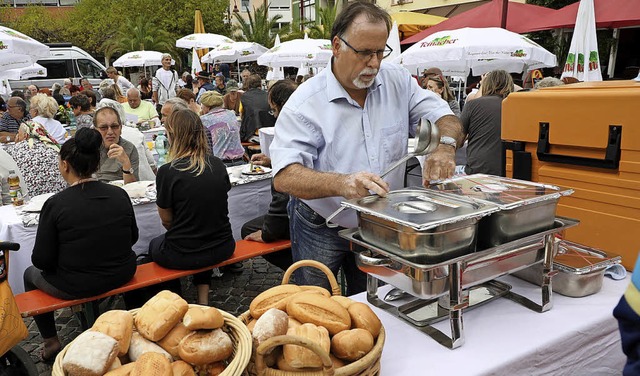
(458, 275)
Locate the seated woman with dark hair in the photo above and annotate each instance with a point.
(81, 107)
(85, 234)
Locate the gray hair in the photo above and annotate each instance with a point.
(133, 90)
(165, 55)
(177, 104)
(115, 105)
(548, 82)
(45, 105)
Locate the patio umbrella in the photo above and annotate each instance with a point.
(19, 50)
(202, 40)
(275, 73)
(198, 28)
(236, 51)
(411, 23)
(481, 50)
(33, 70)
(394, 42)
(308, 52)
(583, 62)
(140, 59)
(195, 62)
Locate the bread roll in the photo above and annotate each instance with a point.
(320, 310)
(139, 345)
(203, 318)
(115, 364)
(204, 347)
(171, 341)
(117, 324)
(301, 357)
(213, 369)
(90, 354)
(124, 370)
(161, 313)
(337, 362)
(275, 297)
(293, 323)
(363, 317)
(182, 368)
(282, 364)
(251, 324)
(343, 300)
(352, 344)
(319, 289)
(152, 364)
(272, 323)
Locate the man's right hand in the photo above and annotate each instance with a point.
(261, 160)
(361, 183)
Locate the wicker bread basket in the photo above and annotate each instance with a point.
(369, 365)
(240, 336)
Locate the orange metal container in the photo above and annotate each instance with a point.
(587, 137)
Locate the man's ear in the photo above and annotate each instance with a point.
(336, 45)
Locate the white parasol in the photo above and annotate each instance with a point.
(195, 62)
(308, 52)
(140, 59)
(275, 73)
(481, 50)
(18, 50)
(236, 51)
(583, 61)
(33, 70)
(202, 40)
(394, 42)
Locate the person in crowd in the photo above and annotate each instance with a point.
(146, 91)
(225, 70)
(190, 98)
(183, 80)
(357, 97)
(55, 93)
(232, 98)
(202, 85)
(109, 93)
(88, 86)
(627, 312)
(3, 106)
(220, 87)
(81, 107)
(118, 94)
(46, 91)
(244, 75)
(189, 82)
(481, 123)
(145, 111)
(74, 90)
(66, 84)
(104, 84)
(33, 89)
(73, 257)
(42, 111)
(165, 82)
(548, 82)
(10, 121)
(439, 85)
(93, 98)
(122, 83)
(36, 154)
(299, 79)
(275, 224)
(175, 104)
(118, 157)
(224, 128)
(255, 109)
(192, 203)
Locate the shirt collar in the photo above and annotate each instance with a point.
(335, 90)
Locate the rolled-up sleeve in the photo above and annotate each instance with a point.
(295, 141)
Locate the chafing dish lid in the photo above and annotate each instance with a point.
(420, 208)
(505, 192)
(579, 259)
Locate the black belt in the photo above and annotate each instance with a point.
(232, 160)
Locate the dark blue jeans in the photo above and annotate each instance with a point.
(311, 239)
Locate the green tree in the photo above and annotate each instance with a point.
(141, 34)
(259, 28)
(35, 22)
(324, 22)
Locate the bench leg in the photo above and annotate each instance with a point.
(87, 314)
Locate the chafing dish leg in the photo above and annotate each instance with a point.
(457, 303)
(550, 249)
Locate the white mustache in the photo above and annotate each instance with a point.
(368, 71)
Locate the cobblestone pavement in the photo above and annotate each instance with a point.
(231, 292)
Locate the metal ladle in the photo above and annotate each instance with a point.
(428, 141)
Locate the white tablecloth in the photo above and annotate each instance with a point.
(246, 201)
(578, 336)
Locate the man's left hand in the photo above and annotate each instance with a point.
(117, 152)
(441, 164)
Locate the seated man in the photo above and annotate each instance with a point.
(145, 111)
(255, 109)
(10, 121)
(118, 157)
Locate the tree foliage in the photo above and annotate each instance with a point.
(31, 22)
(324, 22)
(259, 28)
(138, 34)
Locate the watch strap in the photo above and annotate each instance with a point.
(128, 172)
(446, 140)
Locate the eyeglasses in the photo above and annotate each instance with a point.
(368, 54)
(104, 128)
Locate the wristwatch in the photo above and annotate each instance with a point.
(446, 140)
(128, 172)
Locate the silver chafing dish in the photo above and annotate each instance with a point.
(525, 207)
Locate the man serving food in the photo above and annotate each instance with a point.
(341, 129)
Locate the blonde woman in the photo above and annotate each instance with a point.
(192, 203)
(43, 109)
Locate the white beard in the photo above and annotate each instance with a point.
(360, 84)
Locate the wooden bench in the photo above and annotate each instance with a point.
(35, 302)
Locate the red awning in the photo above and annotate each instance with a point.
(610, 14)
(519, 18)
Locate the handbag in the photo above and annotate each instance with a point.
(12, 328)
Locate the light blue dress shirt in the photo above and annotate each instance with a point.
(321, 127)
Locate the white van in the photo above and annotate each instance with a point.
(66, 61)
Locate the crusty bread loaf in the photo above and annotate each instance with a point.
(205, 346)
(272, 323)
(171, 341)
(343, 300)
(90, 354)
(300, 357)
(203, 318)
(251, 324)
(363, 317)
(213, 369)
(158, 315)
(352, 344)
(124, 370)
(282, 364)
(319, 289)
(275, 297)
(117, 324)
(293, 323)
(140, 345)
(182, 368)
(152, 364)
(337, 362)
(320, 310)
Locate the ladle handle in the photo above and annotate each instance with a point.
(332, 216)
(397, 164)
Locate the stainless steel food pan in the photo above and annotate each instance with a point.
(580, 270)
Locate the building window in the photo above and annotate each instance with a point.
(245, 5)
